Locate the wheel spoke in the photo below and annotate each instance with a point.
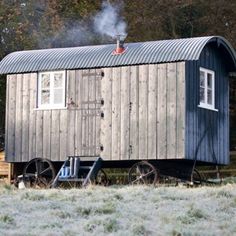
(142, 172)
(37, 166)
(149, 173)
(44, 171)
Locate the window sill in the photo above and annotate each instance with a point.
(208, 108)
(50, 108)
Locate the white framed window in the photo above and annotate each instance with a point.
(207, 89)
(51, 89)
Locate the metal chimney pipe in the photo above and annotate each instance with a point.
(119, 45)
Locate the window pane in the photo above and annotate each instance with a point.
(58, 96)
(45, 81)
(45, 97)
(202, 95)
(209, 81)
(58, 80)
(209, 96)
(202, 79)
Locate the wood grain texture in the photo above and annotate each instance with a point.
(32, 115)
(18, 117)
(11, 121)
(162, 112)
(134, 112)
(143, 112)
(171, 110)
(125, 113)
(25, 116)
(116, 110)
(152, 114)
(106, 109)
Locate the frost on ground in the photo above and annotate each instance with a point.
(122, 211)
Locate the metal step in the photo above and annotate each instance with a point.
(85, 167)
(71, 180)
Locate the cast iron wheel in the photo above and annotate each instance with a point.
(101, 178)
(39, 173)
(143, 173)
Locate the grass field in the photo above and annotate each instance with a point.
(125, 210)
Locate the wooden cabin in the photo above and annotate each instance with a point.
(160, 100)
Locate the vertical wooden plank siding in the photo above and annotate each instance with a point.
(55, 137)
(161, 112)
(181, 111)
(116, 111)
(92, 111)
(63, 134)
(78, 118)
(39, 133)
(106, 109)
(85, 112)
(97, 131)
(11, 121)
(25, 116)
(18, 118)
(124, 113)
(71, 113)
(134, 112)
(171, 110)
(143, 112)
(141, 116)
(207, 131)
(152, 114)
(32, 115)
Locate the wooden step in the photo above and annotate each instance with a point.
(5, 169)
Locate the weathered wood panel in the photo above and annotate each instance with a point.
(152, 114)
(25, 116)
(78, 116)
(180, 112)
(11, 121)
(161, 112)
(143, 112)
(125, 113)
(39, 133)
(18, 118)
(99, 75)
(55, 135)
(106, 109)
(32, 115)
(171, 110)
(116, 110)
(47, 123)
(134, 112)
(63, 134)
(143, 109)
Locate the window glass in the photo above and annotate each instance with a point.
(206, 89)
(51, 87)
(58, 80)
(209, 96)
(58, 96)
(202, 95)
(45, 81)
(45, 96)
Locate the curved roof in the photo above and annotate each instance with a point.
(101, 56)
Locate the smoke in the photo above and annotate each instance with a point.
(109, 22)
(101, 28)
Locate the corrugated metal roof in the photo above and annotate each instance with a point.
(101, 56)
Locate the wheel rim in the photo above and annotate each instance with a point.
(143, 173)
(39, 172)
(101, 178)
(197, 177)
